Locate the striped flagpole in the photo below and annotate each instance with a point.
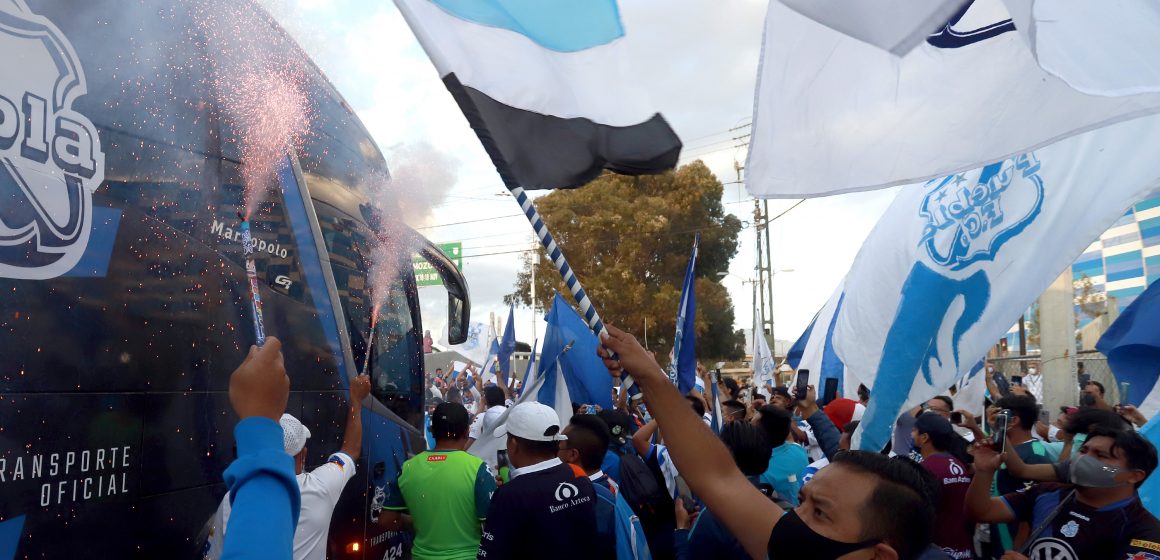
(557, 258)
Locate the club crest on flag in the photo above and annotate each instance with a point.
(967, 223)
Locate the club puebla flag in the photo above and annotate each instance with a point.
(581, 368)
(683, 366)
(547, 87)
(1132, 345)
(954, 261)
(833, 114)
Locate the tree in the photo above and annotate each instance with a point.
(628, 240)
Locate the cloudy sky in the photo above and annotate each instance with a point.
(698, 61)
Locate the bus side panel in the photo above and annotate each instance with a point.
(72, 464)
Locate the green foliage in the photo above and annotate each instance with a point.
(628, 240)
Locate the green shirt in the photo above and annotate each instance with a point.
(447, 494)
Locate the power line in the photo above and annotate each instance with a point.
(472, 221)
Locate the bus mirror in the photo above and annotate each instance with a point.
(458, 298)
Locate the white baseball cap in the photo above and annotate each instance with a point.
(532, 421)
(294, 434)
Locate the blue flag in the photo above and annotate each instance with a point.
(683, 368)
(587, 378)
(507, 345)
(718, 421)
(1132, 345)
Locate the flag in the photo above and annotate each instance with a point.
(11, 530)
(457, 367)
(546, 86)
(972, 390)
(475, 347)
(718, 421)
(835, 115)
(530, 372)
(763, 362)
(896, 26)
(553, 392)
(954, 261)
(1149, 492)
(584, 372)
(1132, 345)
(507, 345)
(491, 364)
(1076, 42)
(683, 365)
(814, 350)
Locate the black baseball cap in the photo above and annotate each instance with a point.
(619, 424)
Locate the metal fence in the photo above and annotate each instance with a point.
(1092, 363)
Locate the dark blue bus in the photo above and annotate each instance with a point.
(124, 303)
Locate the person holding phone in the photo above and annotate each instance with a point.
(1021, 413)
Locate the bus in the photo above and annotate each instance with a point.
(124, 299)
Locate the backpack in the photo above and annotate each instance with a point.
(630, 539)
(643, 491)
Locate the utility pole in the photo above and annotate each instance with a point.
(769, 275)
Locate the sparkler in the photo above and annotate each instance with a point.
(252, 276)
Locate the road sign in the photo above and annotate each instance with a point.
(426, 275)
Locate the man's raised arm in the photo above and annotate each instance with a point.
(702, 459)
(360, 387)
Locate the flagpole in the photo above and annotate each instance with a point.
(557, 258)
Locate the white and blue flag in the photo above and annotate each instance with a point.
(814, 349)
(764, 365)
(833, 114)
(547, 87)
(953, 262)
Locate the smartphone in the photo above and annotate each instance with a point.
(501, 459)
(1124, 388)
(999, 438)
(1017, 379)
(957, 418)
(1044, 415)
(686, 495)
(831, 391)
(802, 385)
(1001, 383)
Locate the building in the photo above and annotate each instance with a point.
(1108, 276)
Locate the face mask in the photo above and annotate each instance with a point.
(792, 538)
(1031, 371)
(1090, 472)
(1087, 399)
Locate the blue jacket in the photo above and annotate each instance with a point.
(263, 493)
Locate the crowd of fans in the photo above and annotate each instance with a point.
(773, 477)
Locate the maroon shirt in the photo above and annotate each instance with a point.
(952, 530)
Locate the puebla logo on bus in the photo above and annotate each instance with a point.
(50, 155)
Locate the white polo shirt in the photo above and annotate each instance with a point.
(320, 490)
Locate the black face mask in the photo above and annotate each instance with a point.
(792, 538)
(1087, 399)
